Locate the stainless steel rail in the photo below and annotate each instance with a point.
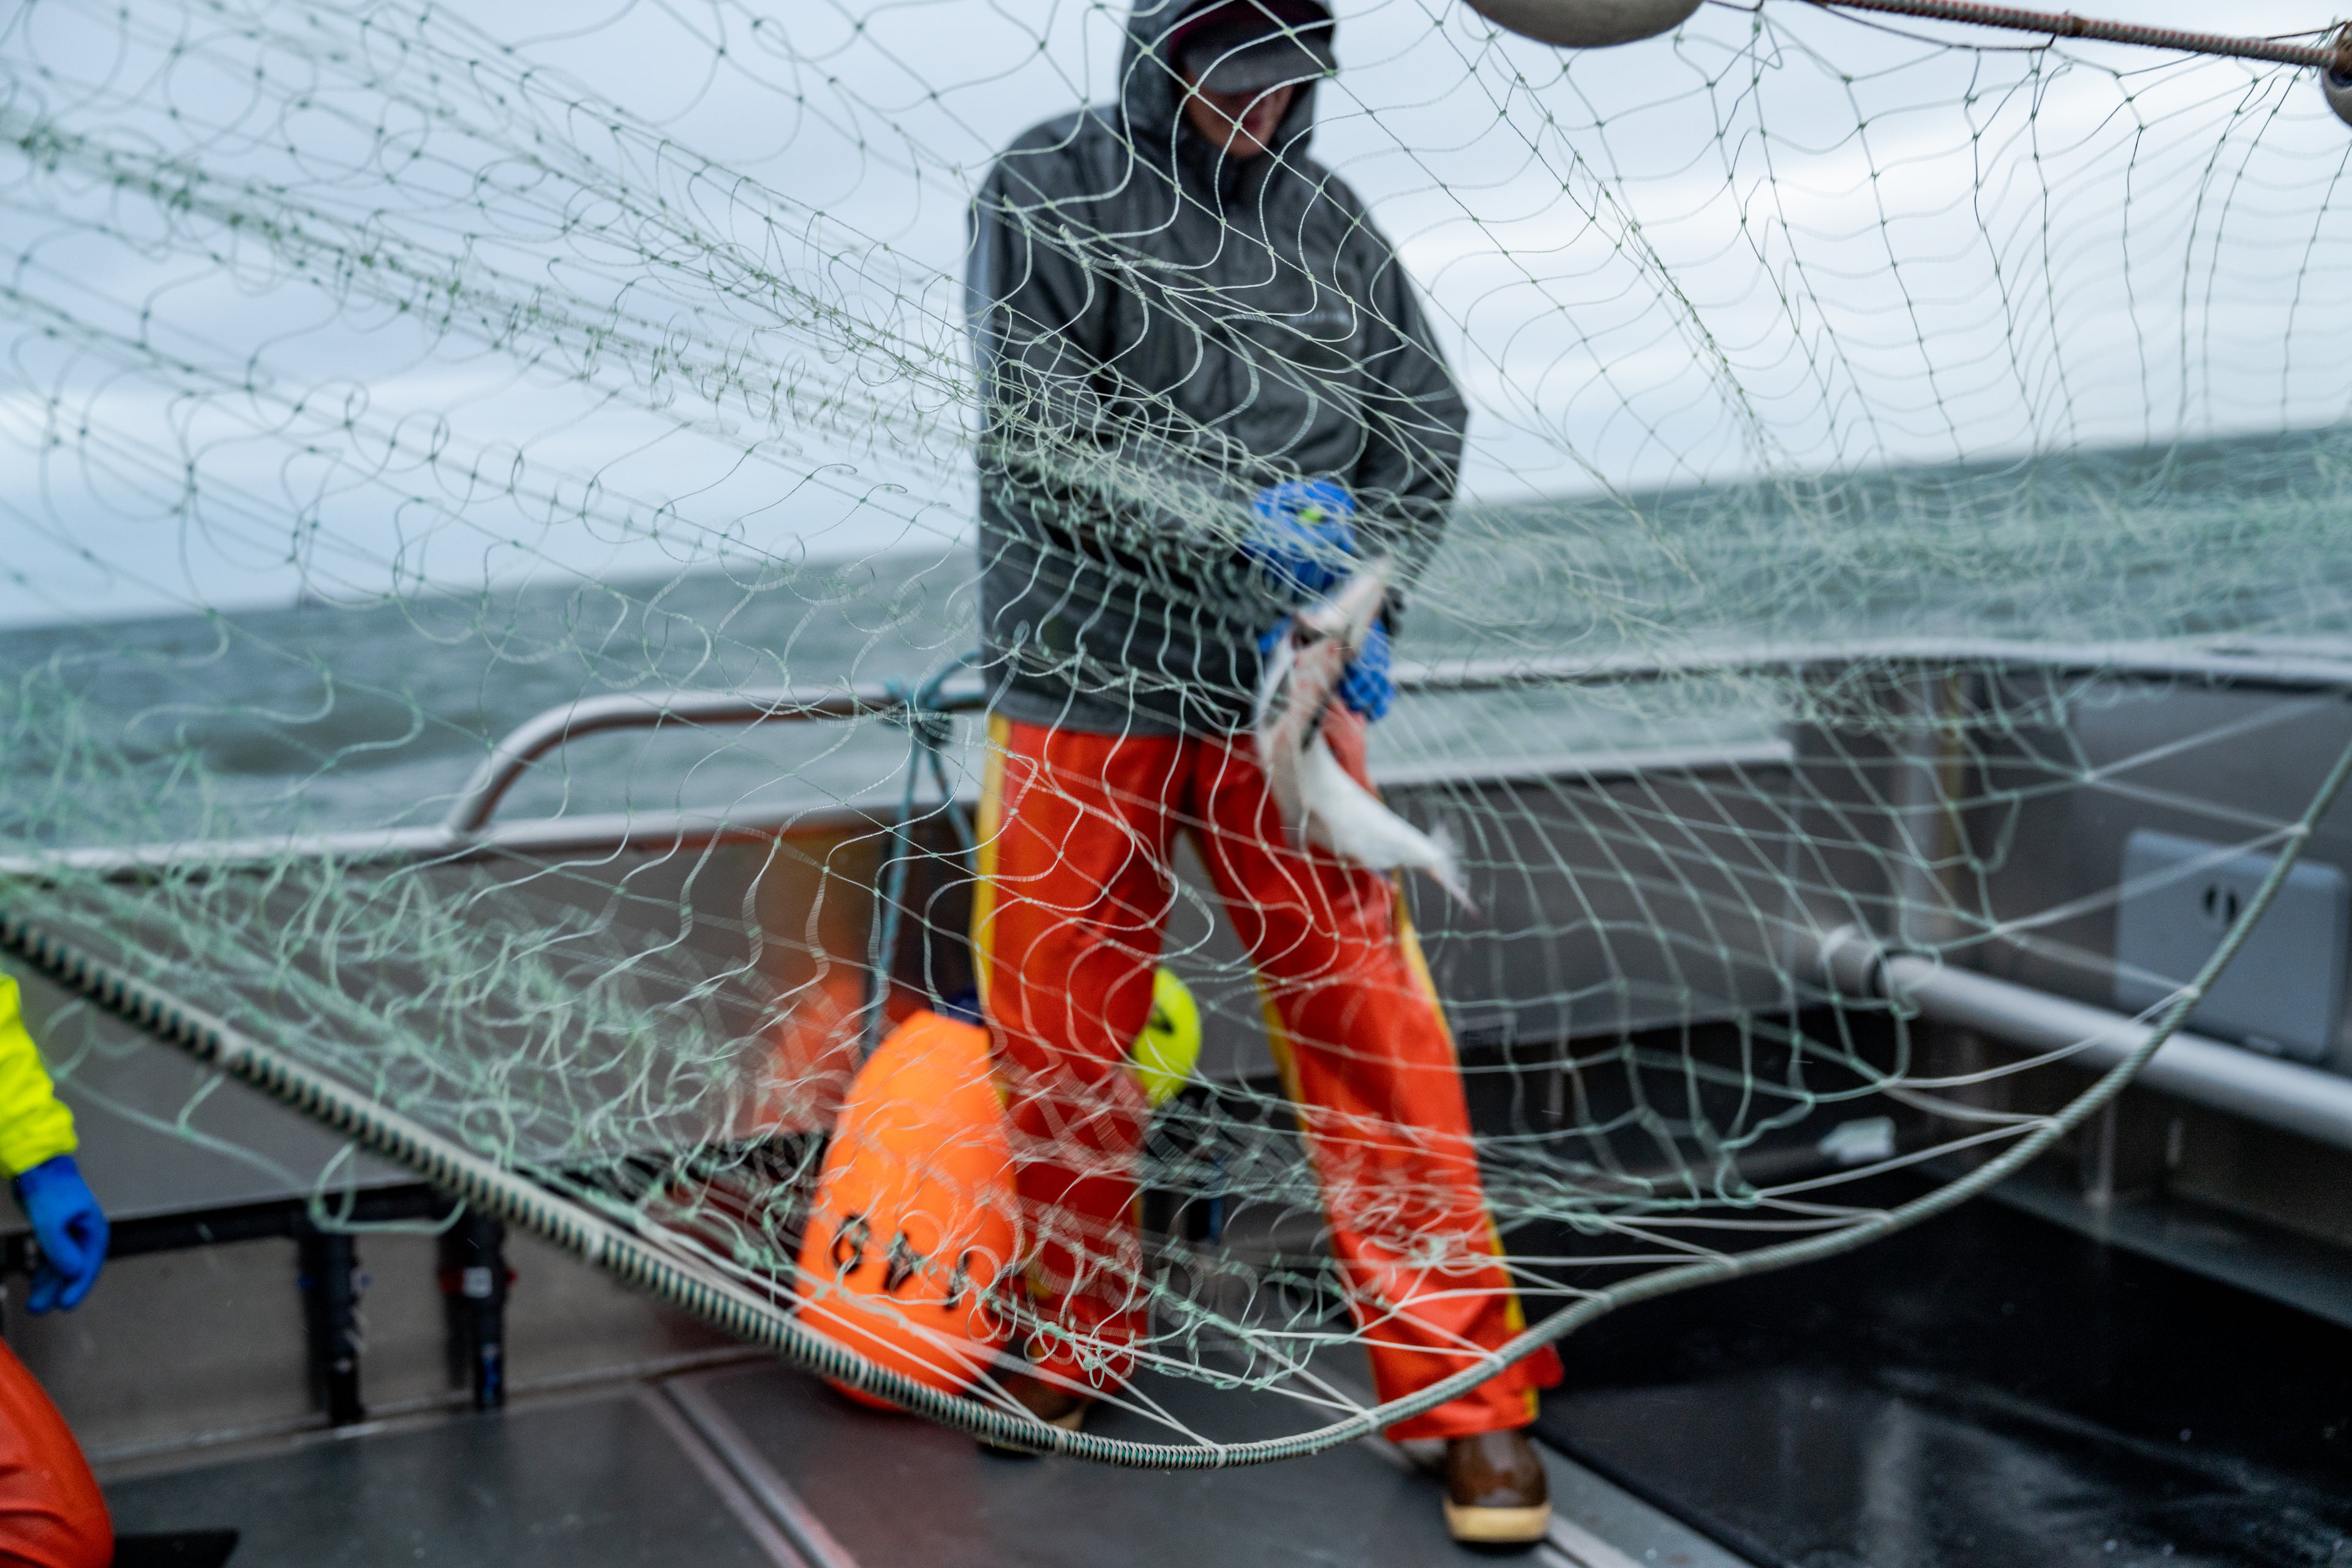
(533, 738)
(2292, 668)
(2300, 1099)
(543, 732)
(468, 826)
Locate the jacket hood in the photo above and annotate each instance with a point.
(1151, 94)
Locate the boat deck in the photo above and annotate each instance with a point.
(1996, 1389)
(754, 1463)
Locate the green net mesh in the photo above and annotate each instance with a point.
(1892, 461)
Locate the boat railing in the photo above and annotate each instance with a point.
(532, 739)
(470, 827)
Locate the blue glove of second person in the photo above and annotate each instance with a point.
(70, 1228)
(1303, 540)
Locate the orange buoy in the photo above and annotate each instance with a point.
(914, 1210)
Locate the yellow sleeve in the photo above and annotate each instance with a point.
(35, 1124)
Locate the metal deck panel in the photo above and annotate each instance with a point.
(1985, 1391)
(894, 1492)
(592, 1483)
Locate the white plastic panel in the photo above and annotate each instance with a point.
(2284, 991)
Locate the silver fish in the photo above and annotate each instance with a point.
(1320, 804)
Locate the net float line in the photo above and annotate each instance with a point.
(2332, 54)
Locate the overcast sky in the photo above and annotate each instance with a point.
(1804, 245)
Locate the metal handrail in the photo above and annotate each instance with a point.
(2309, 1102)
(2232, 663)
(543, 732)
(464, 827)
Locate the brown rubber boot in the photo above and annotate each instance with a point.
(1495, 1490)
(1048, 1402)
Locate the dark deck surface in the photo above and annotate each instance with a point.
(1990, 1390)
(597, 1483)
(891, 1490)
(1987, 1391)
(756, 1464)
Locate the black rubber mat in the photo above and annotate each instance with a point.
(1988, 1391)
(593, 1483)
(899, 1493)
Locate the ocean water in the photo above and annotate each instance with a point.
(333, 716)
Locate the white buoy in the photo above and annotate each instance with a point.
(1596, 24)
(2337, 86)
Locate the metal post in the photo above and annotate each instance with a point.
(1926, 791)
(474, 1280)
(331, 1292)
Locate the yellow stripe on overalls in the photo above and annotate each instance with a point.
(987, 826)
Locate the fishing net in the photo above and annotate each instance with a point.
(1901, 465)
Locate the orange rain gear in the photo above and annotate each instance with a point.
(51, 1512)
(1075, 835)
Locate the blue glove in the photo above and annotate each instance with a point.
(1303, 540)
(70, 1228)
(1368, 687)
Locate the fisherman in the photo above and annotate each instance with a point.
(52, 1514)
(1208, 391)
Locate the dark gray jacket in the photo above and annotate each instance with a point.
(1162, 331)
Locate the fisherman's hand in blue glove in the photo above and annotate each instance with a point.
(1368, 687)
(71, 1229)
(1303, 540)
